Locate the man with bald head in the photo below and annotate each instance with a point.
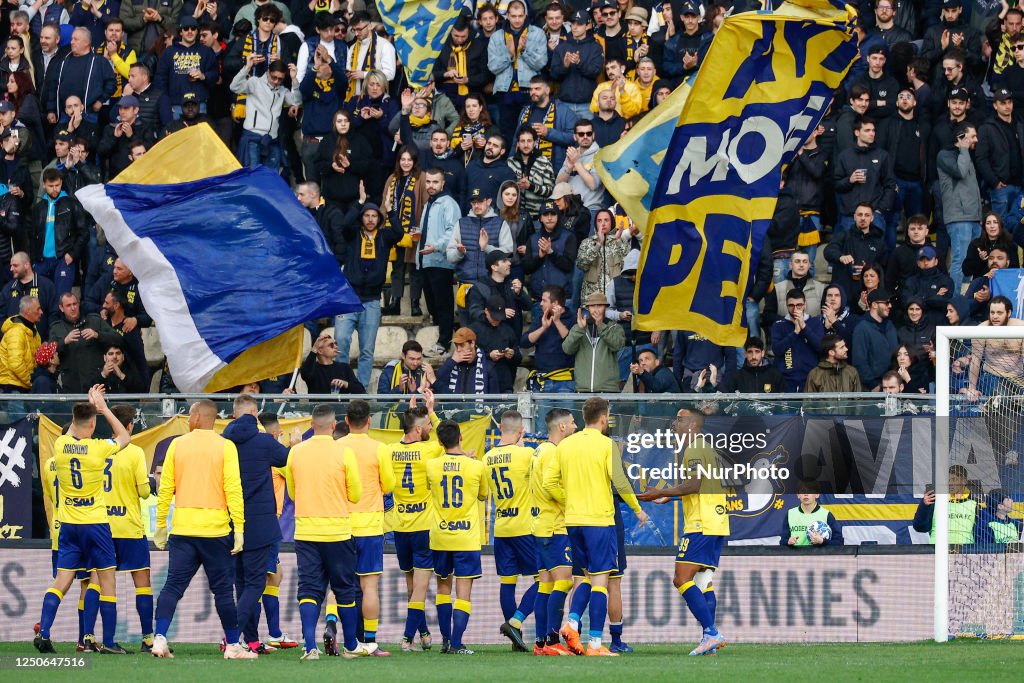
(125, 282)
(26, 282)
(84, 73)
(201, 475)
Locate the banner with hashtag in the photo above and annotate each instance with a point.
(15, 480)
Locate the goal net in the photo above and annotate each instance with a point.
(979, 473)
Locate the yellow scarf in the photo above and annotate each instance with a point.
(516, 51)
(419, 121)
(368, 245)
(369, 64)
(403, 198)
(543, 144)
(249, 46)
(458, 62)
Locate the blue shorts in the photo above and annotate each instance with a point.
(274, 560)
(85, 547)
(620, 540)
(369, 555)
(323, 564)
(465, 564)
(413, 550)
(515, 555)
(53, 563)
(594, 547)
(553, 551)
(132, 554)
(700, 550)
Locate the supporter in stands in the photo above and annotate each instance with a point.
(58, 235)
(342, 160)
(993, 236)
(755, 376)
(629, 101)
(124, 282)
(18, 347)
(461, 66)
(264, 95)
(600, 257)
(369, 51)
(131, 341)
(372, 112)
(438, 221)
(405, 195)
(796, 342)
(408, 374)
(576, 64)
(874, 341)
(552, 367)
(515, 54)
(26, 282)
(81, 342)
(535, 176)
(594, 343)
(863, 176)
(800, 278)
(82, 73)
(851, 251)
(323, 374)
(154, 108)
(118, 136)
(44, 378)
(498, 283)
(498, 339)
(322, 84)
(913, 368)
(932, 286)
(146, 21)
(551, 120)
(491, 170)
(113, 374)
(979, 292)
(476, 235)
(833, 374)
(468, 370)
(871, 278)
(961, 197)
(902, 261)
(654, 378)
(473, 129)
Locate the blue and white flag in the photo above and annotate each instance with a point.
(1009, 282)
(224, 263)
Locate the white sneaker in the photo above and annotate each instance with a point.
(236, 651)
(436, 351)
(161, 648)
(311, 655)
(370, 647)
(360, 651)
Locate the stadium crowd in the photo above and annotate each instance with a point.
(478, 196)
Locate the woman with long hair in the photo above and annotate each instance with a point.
(473, 129)
(372, 111)
(510, 210)
(910, 364)
(21, 92)
(872, 278)
(600, 257)
(342, 159)
(404, 199)
(993, 235)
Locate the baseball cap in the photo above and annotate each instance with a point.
(496, 306)
(548, 207)
(188, 21)
(580, 16)
(879, 49)
(1002, 94)
(477, 193)
(190, 97)
(128, 101)
(63, 136)
(604, 4)
(878, 295)
(325, 20)
(947, 4)
(561, 190)
(463, 335)
(689, 8)
(495, 256)
(959, 94)
(926, 253)
(6, 106)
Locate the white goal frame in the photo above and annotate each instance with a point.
(943, 335)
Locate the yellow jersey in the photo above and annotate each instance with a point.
(412, 498)
(457, 484)
(126, 484)
(376, 477)
(550, 517)
(508, 468)
(323, 480)
(82, 470)
(52, 488)
(581, 474)
(704, 512)
(201, 476)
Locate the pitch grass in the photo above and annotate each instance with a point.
(959, 662)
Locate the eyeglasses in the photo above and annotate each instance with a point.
(267, 19)
(584, 133)
(188, 28)
(1018, 47)
(609, 12)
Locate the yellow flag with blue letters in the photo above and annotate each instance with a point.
(420, 29)
(764, 85)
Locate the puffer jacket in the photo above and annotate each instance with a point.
(17, 352)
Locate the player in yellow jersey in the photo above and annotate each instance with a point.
(457, 484)
(201, 474)
(126, 483)
(706, 525)
(271, 600)
(85, 541)
(323, 480)
(554, 555)
(581, 475)
(377, 478)
(409, 458)
(52, 488)
(508, 470)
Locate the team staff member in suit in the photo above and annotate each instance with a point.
(201, 475)
(258, 452)
(323, 480)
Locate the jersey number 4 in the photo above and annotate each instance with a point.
(502, 484)
(407, 482)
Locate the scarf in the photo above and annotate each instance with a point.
(632, 46)
(458, 62)
(419, 121)
(253, 45)
(479, 383)
(368, 245)
(50, 239)
(369, 63)
(461, 133)
(322, 86)
(516, 46)
(403, 201)
(543, 144)
(122, 52)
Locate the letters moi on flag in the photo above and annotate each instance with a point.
(764, 85)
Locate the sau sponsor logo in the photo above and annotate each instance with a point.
(117, 511)
(79, 502)
(412, 509)
(458, 525)
(507, 512)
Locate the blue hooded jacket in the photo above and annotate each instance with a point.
(257, 453)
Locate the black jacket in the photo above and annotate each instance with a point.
(879, 189)
(807, 178)
(258, 452)
(367, 275)
(504, 336)
(135, 308)
(117, 150)
(784, 229)
(902, 264)
(976, 266)
(69, 232)
(992, 154)
(332, 222)
(81, 361)
(342, 188)
(925, 286)
(750, 379)
(318, 377)
(865, 249)
(476, 66)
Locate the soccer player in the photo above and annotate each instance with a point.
(377, 478)
(323, 480)
(85, 542)
(126, 483)
(52, 488)
(508, 469)
(201, 474)
(409, 458)
(457, 483)
(271, 594)
(705, 529)
(581, 476)
(258, 453)
(554, 555)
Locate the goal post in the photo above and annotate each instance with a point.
(979, 380)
